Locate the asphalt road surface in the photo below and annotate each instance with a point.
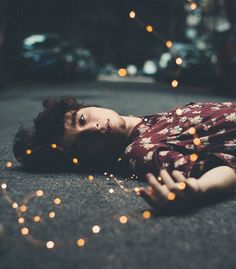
(203, 238)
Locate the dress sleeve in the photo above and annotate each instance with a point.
(141, 161)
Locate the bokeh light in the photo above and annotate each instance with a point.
(28, 151)
(149, 28)
(23, 208)
(146, 214)
(53, 146)
(9, 164)
(123, 219)
(39, 193)
(174, 83)
(24, 231)
(193, 157)
(96, 229)
(182, 185)
(80, 242)
(122, 72)
(132, 14)
(4, 186)
(169, 44)
(52, 214)
(50, 244)
(57, 201)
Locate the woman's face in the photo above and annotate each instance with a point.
(97, 129)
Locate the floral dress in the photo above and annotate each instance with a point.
(193, 138)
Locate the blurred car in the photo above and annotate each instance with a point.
(44, 54)
(188, 63)
(50, 56)
(84, 64)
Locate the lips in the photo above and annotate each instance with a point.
(109, 126)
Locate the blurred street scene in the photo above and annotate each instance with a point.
(184, 41)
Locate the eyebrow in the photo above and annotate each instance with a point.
(74, 118)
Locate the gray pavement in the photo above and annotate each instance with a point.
(203, 238)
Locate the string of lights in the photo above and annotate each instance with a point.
(21, 207)
(169, 44)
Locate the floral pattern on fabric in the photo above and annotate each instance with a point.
(163, 140)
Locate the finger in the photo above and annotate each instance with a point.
(167, 179)
(149, 198)
(180, 178)
(157, 187)
(178, 175)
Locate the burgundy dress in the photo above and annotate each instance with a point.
(166, 140)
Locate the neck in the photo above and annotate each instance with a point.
(131, 122)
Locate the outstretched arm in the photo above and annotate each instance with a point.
(177, 191)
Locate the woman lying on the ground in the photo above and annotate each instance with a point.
(185, 154)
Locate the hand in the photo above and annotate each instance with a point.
(176, 192)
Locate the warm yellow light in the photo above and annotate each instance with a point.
(50, 244)
(174, 83)
(28, 151)
(57, 201)
(111, 190)
(182, 185)
(90, 177)
(137, 190)
(14, 205)
(171, 196)
(123, 219)
(75, 160)
(132, 14)
(51, 214)
(24, 231)
(39, 193)
(36, 218)
(122, 72)
(96, 229)
(80, 242)
(9, 164)
(53, 146)
(119, 159)
(192, 131)
(196, 141)
(21, 220)
(4, 186)
(159, 178)
(193, 157)
(149, 28)
(193, 6)
(179, 61)
(179, 112)
(169, 44)
(23, 208)
(146, 214)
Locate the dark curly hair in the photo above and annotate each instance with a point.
(38, 148)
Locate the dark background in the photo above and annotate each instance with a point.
(104, 26)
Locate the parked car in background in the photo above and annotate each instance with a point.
(84, 64)
(187, 63)
(48, 56)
